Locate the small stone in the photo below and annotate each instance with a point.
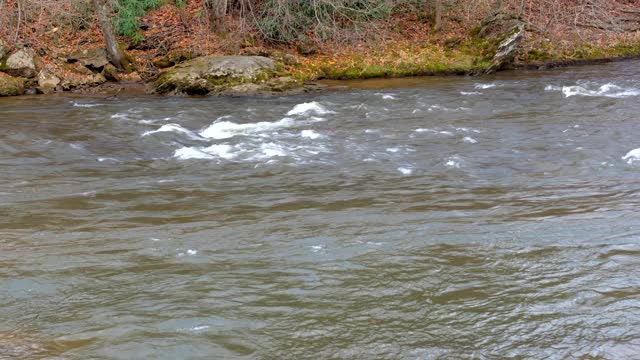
(162, 63)
(132, 77)
(290, 59)
(307, 47)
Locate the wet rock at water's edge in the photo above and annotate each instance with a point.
(11, 86)
(502, 32)
(214, 74)
(226, 75)
(507, 49)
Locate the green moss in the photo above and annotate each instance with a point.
(11, 86)
(537, 55)
(591, 52)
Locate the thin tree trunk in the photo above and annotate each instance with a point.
(438, 16)
(114, 52)
(19, 21)
(219, 12)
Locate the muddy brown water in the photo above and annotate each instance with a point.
(432, 218)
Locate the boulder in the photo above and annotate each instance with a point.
(507, 49)
(21, 63)
(111, 73)
(214, 74)
(94, 59)
(76, 76)
(47, 80)
(11, 86)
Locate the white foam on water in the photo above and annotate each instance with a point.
(81, 105)
(469, 139)
(386, 96)
(269, 150)
(405, 170)
(189, 252)
(453, 162)
(121, 116)
(485, 86)
(421, 130)
(309, 107)
(199, 328)
(631, 156)
(227, 129)
(470, 93)
(393, 149)
(186, 153)
(316, 248)
(250, 151)
(175, 128)
(606, 90)
(448, 133)
(103, 159)
(310, 134)
(464, 129)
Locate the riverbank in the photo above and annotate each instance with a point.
(56, 59)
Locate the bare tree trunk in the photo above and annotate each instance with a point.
(19, 21)
(523, 7)
(438, 16)
(219, 12)
(114, 52)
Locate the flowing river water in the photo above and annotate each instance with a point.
(489, 217)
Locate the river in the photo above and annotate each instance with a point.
(427, 218)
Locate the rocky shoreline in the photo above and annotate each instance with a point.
(25, 72)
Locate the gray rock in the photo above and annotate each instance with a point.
(94, 59)
(215, 74)
(507, 49)
(47, 80)
(11, 86)
(21, 63)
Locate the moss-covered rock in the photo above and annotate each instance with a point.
(214, 74)
(507, 49)
(4, 49)
(11, 86)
